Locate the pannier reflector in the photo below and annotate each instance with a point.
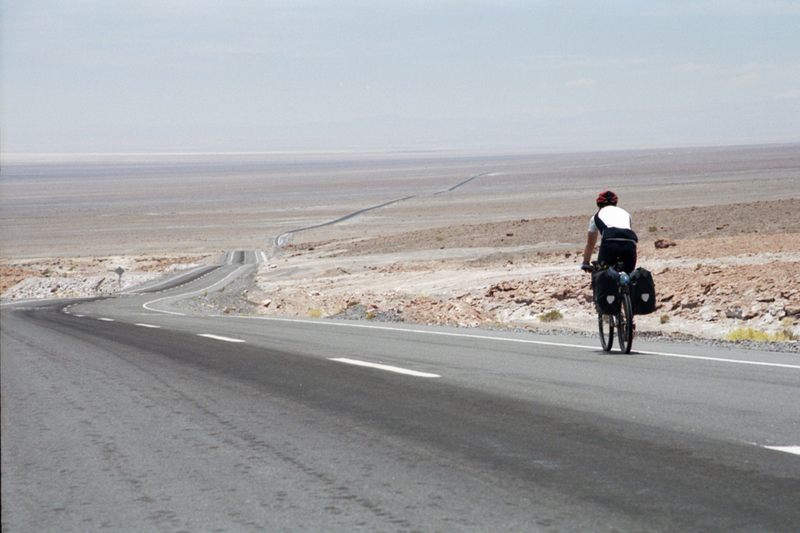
(645, 297)
(610, 298)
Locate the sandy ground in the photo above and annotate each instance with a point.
(725, 276)
(85, 276)
(501, 250)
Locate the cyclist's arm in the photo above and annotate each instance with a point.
(591, 240)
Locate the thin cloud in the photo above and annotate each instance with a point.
(748, 8)
(581, 82)
(788, 95)
(691, 66)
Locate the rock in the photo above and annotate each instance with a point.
(753, 312)
(266, 303)
(708, 313)
(505, 286)
(733, 312)
(664, 243)
(690, 304)
(766, 299)
(562, 294)
(792, 310)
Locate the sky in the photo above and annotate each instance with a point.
(236, 75)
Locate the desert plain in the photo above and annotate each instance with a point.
(463, 239)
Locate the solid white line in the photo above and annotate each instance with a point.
(511, 339)
(719, 359)
(148, 326)
(172, 279)
(21, 302)
(188, 294)
(79, 316)
(106, 319)
(388, 368)
(219, 337)
(788, 449)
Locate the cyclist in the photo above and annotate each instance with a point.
(618, 240)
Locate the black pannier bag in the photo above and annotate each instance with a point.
(606, 292)
(643, 292)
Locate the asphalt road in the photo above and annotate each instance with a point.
(128, 414)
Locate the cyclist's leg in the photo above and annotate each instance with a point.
(628, 256)
(609, 253)
(605, 255)
(612, 252)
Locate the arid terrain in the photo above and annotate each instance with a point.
(490, 241)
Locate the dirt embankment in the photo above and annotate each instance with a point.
(84, 276)
(717, 268)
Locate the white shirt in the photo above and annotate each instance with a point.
(613, 217)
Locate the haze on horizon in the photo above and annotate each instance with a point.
(95, 76)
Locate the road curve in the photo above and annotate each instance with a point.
(126, 413)
(284, 238)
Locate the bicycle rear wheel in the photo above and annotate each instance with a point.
(625, 324)
(606, 325)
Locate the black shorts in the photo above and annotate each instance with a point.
(612, 252)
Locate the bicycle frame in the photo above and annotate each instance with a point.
(622, 321)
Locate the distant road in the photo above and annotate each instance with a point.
(284, 238)
(129, 414)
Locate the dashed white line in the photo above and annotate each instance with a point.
(79, 316)
(219, 337)
(147, 325)
(388, 368)
(106, 319)
(788, 449)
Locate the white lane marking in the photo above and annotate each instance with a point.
(106, 319)
(188, 294)
(718, 359)
(21, 302)
(219, 337)
(147, 325)
(173, 279)
(388, 368)
(511, 339)
(79, 316)
(788, 449)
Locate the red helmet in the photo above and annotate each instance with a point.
(606, 198)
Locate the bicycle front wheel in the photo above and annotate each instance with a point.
(606, 324)
(625, 324)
